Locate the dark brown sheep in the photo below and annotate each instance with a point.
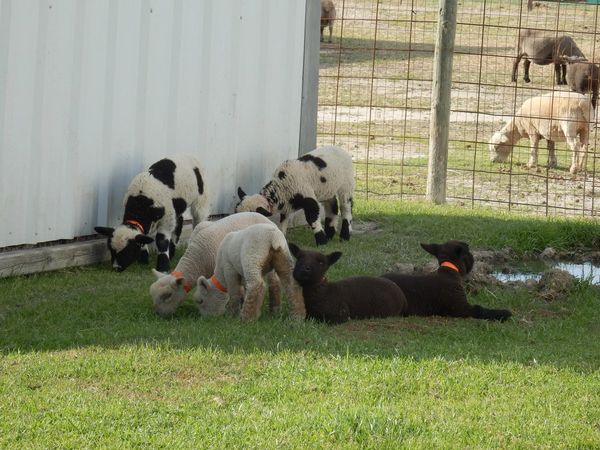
(327, 17)
(442, 293)
(351, 298)
(543, 49)
(583, 77)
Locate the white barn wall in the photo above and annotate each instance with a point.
(93, 91)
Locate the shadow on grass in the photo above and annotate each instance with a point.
(95, 307)
(356, 50)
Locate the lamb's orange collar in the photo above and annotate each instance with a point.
(179, 276)
(450, 265)
(136, 224)
(218, 285)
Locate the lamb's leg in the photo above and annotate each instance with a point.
(557, 74)
(322, 28)
(311, 212)
(175, 237)
(552, 164)
(253, 298)
(144, 255)
(346, 210)
(331, 216)
(330, 30)
(274, 292)
(564, 74)
(479, 312)
(526, 65)
(163, 241)
(533, 157)
(283, 266)
(199, 213)
(515, 67)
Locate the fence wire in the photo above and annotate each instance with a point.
(375, 96)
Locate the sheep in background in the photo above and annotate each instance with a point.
(244, 257)
(323, 175)
(583, 77)
(168, 291)
(327, 17)
(542, 48)
(351, 298)
(154, 205)
(557, 116)
(442, 293)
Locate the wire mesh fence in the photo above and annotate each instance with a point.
(375, 96)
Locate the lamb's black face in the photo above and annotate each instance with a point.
(456, 252)
(311, 266)
(123, 259)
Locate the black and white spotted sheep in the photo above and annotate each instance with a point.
(154, 205)
(323, 175)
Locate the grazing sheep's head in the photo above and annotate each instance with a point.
(500, 147)
(210, 299)
(455, 252)
(311, 265)
(125, 244)
(167, 292)
(253, 203)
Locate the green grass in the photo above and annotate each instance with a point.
(84, 362)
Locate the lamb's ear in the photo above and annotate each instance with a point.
(158, 274)
(241, 193)
(105, 231)
(503, 139)
(263, 211)
(142, 239)
(202, 283)
(431, 248)
(333, 257)
(294, 249)
(176, 282)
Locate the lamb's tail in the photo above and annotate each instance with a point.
(278, 241)
(529, 5)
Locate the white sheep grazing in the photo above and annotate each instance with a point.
(154, 205)
(324, 175)
(168, 291)
(243, 258)
(557, 116)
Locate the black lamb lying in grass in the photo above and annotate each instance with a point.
(442, 293)
(352, 298)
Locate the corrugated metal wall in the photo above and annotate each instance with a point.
(93, 91)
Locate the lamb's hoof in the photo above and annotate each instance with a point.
(573, 170)
(527, 80)
(144, 257)
(552, 165)
(321, 238)
(345, 231)
(503, 314)
(162, 263)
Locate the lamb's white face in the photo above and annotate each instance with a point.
(209, 300)
(167, 293)
(500, 147)
(252, 203)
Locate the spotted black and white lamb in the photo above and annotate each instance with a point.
(154, 205)
(323, 175)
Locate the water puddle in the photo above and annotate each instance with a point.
(534, 271)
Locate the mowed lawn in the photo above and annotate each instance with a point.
(84, 361)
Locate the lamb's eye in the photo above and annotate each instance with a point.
(321, 263)
(165, 297)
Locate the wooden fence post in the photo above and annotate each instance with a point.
(440, 102)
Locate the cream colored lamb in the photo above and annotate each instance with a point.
(557, 116)
(169, 290)
(243, 259)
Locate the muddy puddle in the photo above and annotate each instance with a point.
(584, 271)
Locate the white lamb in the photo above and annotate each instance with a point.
(168, 291)
(557, 116)
(323, 175)
(154, 205)
(243, 258)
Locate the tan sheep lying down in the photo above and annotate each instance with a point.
(169, 290)
(243, 259)
(557, 116)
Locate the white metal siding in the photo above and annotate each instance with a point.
(93, 91)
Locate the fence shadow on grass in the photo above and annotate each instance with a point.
(95, 307)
